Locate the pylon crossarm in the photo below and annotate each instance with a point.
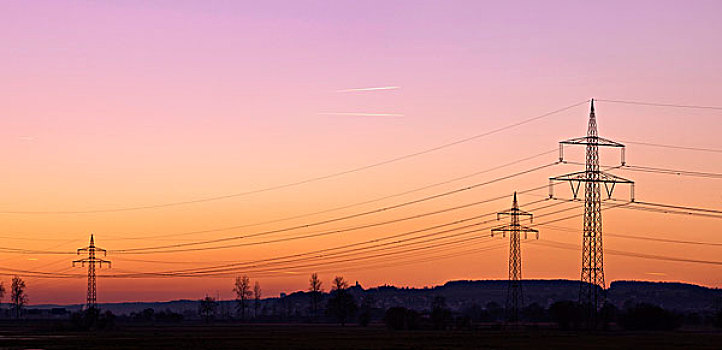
(611, 178)
(592, 140)
(603, 177)
(514, 212)
(511, 228)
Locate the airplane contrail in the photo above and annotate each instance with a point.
(371, 89)
(361, 114)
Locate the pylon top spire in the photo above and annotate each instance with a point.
(515, 205)
(92, 243)
(592, 129)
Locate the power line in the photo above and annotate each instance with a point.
(213, 271)
(668, 171)
(655, 104)
(248, 264)
(668, 211)
(327, 221)
(354, 247)
(671, 206)
(278, 240)
(658, 170)
(322, 254)
(322, 233)
(674, 209)
(146, 275)
(314, 179)
(568, 246)
(644, 238)
(324, 211)
(713, 150)
(324, 251)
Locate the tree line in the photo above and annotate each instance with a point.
(343, 306)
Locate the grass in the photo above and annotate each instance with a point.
(259, 337)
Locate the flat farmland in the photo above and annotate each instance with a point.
(350, 337)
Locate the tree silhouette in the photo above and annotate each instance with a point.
(567, 314)
(341, 305)
(339, 284)
(243, 292)
(440, 315)
(367, 305)
(2, 292)
(18, 296)
(315, 288)
(207, 308)
(718, 319)
(257, 298)
(398, 318)
(645, 316)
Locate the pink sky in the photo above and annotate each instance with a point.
(112, 104)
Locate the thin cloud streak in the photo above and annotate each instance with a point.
(370, 89)
(361, 114)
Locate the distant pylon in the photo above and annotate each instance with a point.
(514, 293)
(91, 260)
(592, 272)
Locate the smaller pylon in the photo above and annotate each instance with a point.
(514, 293)
(91, 260)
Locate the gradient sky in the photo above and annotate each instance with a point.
(117, 104)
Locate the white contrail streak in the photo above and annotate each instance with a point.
(371, 89)
(361, 114)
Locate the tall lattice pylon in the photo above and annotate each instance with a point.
(91, 261)
(592, 274)
(514, 293)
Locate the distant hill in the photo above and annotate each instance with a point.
(460, 294)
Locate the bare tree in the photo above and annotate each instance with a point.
(315, 288)
(257, 298)
(207, 308)
(341, 305)
(339, 283)
(2, 292)
(243, 292)
(18, 296)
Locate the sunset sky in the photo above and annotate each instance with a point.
(121, 105)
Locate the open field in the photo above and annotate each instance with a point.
(350, 337)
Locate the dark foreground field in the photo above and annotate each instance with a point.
(336, 337)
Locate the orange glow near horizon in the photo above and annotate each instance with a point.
(109, 106)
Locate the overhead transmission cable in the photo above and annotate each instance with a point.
(569, 246)
(327, 221)
(309, 180)
(657, 104)
(385, 241)
(347, 206)
(644, 238)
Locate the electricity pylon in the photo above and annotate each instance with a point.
(514, 293)
(592, 273)
(91, 260)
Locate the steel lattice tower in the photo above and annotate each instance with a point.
(592, 272)
(514, 293)
(91, 260)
